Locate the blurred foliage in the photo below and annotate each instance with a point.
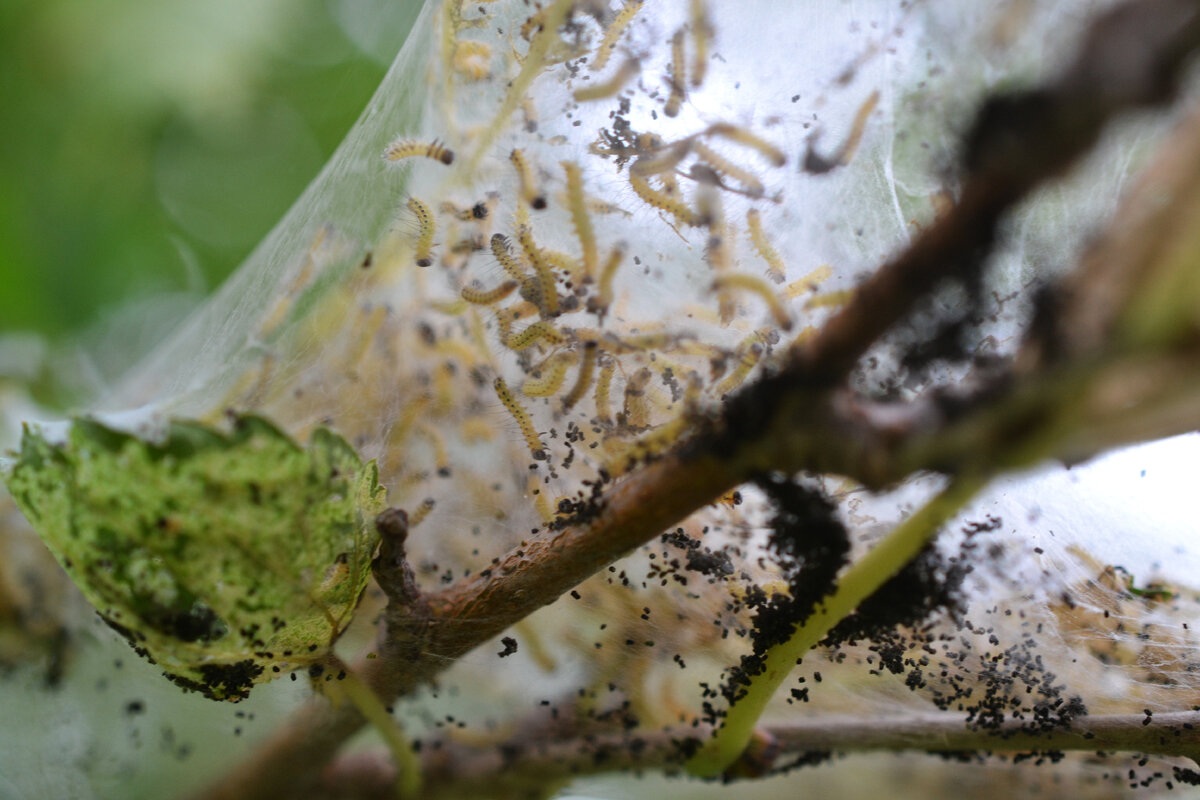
(147, 146)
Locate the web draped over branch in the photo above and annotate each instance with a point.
(560, 243)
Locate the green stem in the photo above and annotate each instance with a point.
(858, 583)
(408, 764)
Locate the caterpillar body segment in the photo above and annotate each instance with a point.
(751, 352)
(809, 283)
(472, 59)
(409, 148)
(536, 332)
(583, 380)
(758, 237)
(637, 409)
(541, 500)
(717, 247)
(421, 512)
(518, 412)
(423, 247)
(830, 299)
(735, 133)
(612, 34)
(506, 317)
(604, 289)
(527, 186)
(702, 34)
(437, 443)
(549, 377)
(603, 391)
(629, 69)
(678, 78)
(756, 285)
(475, 213)
(510, 263)
(639, 343)
(817, 164)
(487, 297)
(451, 308)
(664, 202)
(751, 185)
(850, 146)
(601, 207)
(670, 187)
(662, 159)
(580, 217)
(363, 342)
(547, 289)
(476, 429)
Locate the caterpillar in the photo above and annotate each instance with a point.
(503, 253)
(580, 218)
(408, 148)
(612, 33)
(758, 238)
(603, 386)
(534, 333)
(422, 251)
(628, 70)
(583, 380)
(756, 285)
(549, 377)
(547, 291)
(751, 185)
(527, 186)
(486, 297)
(678, 79)
(604, 291)
(664, 202)
(744, 137)
(536, 448)
(702, 32)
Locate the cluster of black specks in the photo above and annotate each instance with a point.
(222, 681)
(510, 647)
(931, 582)
(714, 563)
(1015, 684)
(583, 508)
(1189, 777)
(810, 545)
(192, 622)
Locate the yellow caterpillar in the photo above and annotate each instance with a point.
(422, 250)
(526, 184)
(518, 412)
(758, 238)
(612, 34)
(486, 297)
(408, 148)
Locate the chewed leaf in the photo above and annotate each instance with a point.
(227, 560)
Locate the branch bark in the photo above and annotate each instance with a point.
(524, 765)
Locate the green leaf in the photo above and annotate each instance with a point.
(225, 559)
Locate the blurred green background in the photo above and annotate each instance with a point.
(146, 146)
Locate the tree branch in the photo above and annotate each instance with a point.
(533, 766)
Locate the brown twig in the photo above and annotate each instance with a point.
(525, 765)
